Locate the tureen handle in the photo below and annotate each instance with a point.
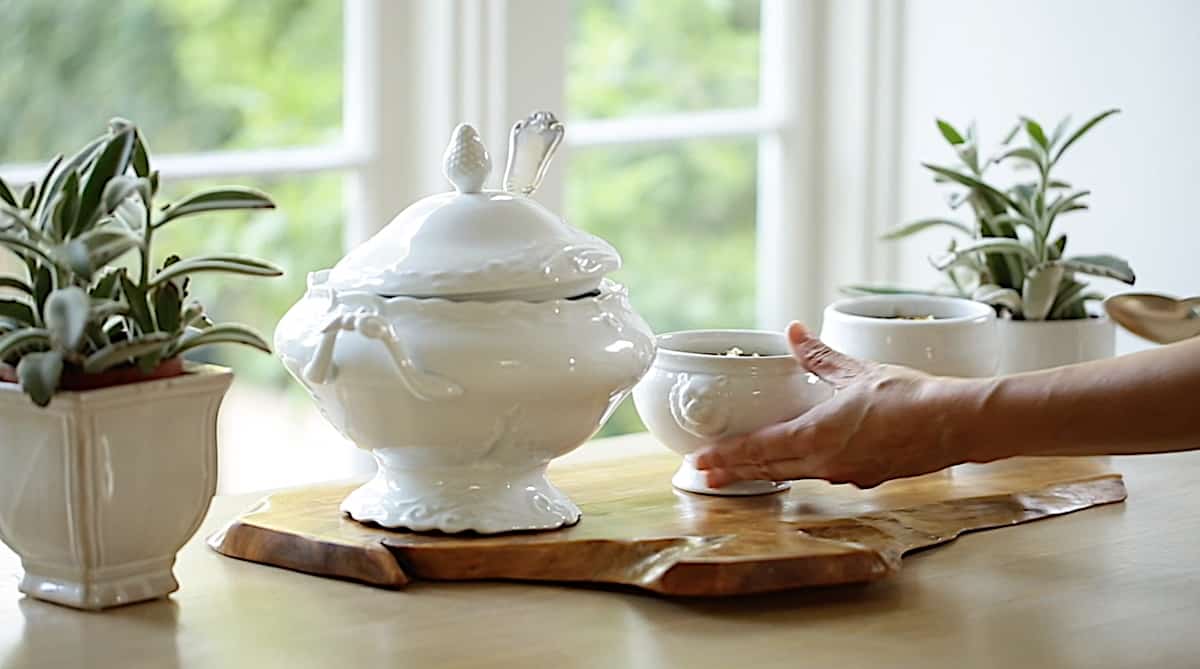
(422, 384)
(531, 145)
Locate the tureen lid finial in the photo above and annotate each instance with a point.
(466, 162)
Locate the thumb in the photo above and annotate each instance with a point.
(830, 366)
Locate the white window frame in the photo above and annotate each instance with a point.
(826, 151)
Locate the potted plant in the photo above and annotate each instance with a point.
(108, 439)
(1014, 258)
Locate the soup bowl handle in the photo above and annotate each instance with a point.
(696, 404)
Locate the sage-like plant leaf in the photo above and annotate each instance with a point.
(23, 341)
(1036, 133)
(911, 228)
(98, 247)
(125, 352)
(1038, 291)
(970, 182)
(1108, 266)
(1088, 125)
(112, 161)
(16, 284)
(168, 303)
(992, 245)
(998, 297)
(6, 194)
(18, 310)
(66, 316)
(229, 264)
(135, 297)
(1070, 291)
(227, 333)
(950, 133)
(43, 188)
(120, 188)
(226, 198)
(39, 374)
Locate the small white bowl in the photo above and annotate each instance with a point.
(693, 396)
(960, 340)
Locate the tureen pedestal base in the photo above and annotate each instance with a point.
(690, 479)
(487, 500)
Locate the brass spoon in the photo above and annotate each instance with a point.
(1159, 318)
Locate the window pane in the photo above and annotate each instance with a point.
(194, 74)
(643, 57)
(683, 217)
(271, 433)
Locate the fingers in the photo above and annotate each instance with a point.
(832, 367)
(782, 441)
(777, 470)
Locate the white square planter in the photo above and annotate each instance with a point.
(100, 490)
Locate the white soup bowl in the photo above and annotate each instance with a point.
(694, 396)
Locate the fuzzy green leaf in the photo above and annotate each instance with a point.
(226, 333)
(217, 199)
(120, 188)
(911, 228)
(39, 374)
(6, 194)
(141, 157)
(66, 314)
(1039, 290)
(1057, 247)
(167, 306)
(23, 247)
(126, 352)
(1024, 153)
(971, 182)
(223, 263)
(989, 245)
(112, 161)
(1065, 203)
(23, 340)
(867, 289)
(16, 284)
(43, 188)
(1091, 123)
(105, 286)
(949, 133)
(98, 247)
(138, 308)
(18, 310)
(1060, 130)
(1035, 132)
(43, 283)
(998, 296)
(1069, 293)
(77, 164)
(1107, 266)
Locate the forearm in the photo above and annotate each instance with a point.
(1147, 402)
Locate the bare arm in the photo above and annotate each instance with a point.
(888, 422)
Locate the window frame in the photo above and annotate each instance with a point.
(414, 69)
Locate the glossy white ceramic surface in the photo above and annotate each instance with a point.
(1026, 346)
(961, 339)
(693, 396)
(464, 403)
(100, 489)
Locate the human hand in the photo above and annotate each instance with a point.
(883, 422)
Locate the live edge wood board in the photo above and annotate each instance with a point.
(637, 531)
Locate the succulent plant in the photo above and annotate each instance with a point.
(1012, 259)
(84, 306)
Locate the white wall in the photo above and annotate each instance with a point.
(994, 60)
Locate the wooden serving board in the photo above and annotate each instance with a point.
(638, 531)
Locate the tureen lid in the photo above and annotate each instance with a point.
(473, 243)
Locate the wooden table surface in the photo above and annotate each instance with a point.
(1115, 586)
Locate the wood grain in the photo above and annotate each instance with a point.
(639, 532)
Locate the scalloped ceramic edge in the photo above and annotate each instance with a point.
(100, 489)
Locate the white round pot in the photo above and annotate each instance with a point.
(694, 396)
(100, 489)
(1027, 346)
(960, 339)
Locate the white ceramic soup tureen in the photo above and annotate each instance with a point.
(467, 344)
